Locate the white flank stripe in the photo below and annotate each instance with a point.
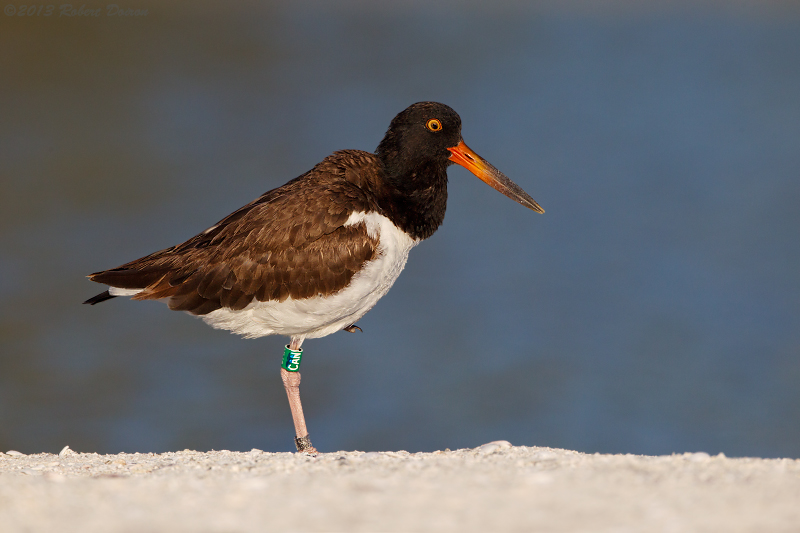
(320, 316)
(116, 291)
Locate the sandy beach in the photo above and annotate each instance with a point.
(495, 487)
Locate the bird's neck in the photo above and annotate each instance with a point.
(418, 196)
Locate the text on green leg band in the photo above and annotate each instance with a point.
(291, 359)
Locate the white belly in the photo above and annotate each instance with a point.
(320, 316)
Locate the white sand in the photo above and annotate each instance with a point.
(495, 487)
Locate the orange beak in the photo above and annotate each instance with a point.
(464, 156)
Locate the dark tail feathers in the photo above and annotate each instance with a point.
(102, 297)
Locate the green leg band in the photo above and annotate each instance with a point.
(291, 359)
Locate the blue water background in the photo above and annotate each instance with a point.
(655, 307)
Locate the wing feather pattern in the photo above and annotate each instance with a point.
(289, 243)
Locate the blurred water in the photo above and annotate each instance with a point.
(653, 309)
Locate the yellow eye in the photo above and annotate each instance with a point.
(434, 124)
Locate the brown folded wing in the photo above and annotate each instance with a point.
(289, 243)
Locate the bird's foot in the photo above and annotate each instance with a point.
(304, 446)
(352, 328)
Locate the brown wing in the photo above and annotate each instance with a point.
(290, 242)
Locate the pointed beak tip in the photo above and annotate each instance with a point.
(464, 156)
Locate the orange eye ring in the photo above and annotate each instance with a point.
(434, 125)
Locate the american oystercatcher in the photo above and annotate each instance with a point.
(311, 257)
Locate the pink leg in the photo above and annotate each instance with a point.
(291, 382)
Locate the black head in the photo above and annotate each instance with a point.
(420, 136)
(424, 139)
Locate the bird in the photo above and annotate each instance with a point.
(311, 257)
